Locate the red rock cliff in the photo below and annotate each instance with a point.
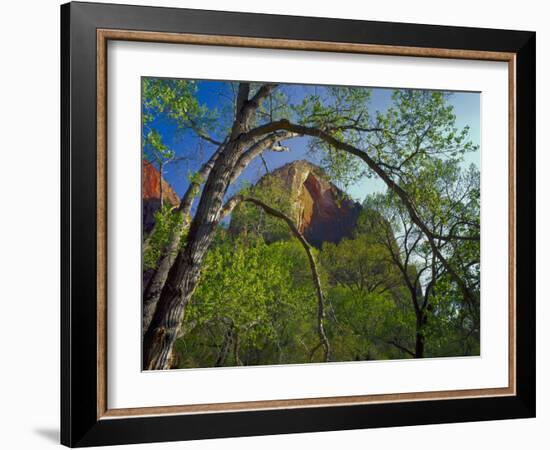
(150, 194)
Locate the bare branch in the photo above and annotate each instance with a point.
(233, 202)
(262, 93)
(264, 162)
(400, 347)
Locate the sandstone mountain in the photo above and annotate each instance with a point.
(150, 194)
(321, 211)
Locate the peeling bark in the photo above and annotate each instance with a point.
(183, 276)
(184, 273)
(152, 292)
(168, 256)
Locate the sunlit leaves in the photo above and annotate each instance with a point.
(255, 286)
(175, 102)
(155, 149)
(249, 219)
(419, 126)
(342, 112)
(166, 223)
(256, 289)
(174, 97)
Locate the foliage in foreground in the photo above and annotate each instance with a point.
(255, 304)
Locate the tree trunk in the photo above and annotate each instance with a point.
(183, 276)
(237, 349)
(153, 290)
(419, 348)
(420, 338)
(226, 347)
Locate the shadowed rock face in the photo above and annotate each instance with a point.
(150, 194)
(322, 212)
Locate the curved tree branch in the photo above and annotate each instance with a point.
(375, 167)
(246, 107)
(233, 202)
(202, 133)
(183, 275)
(270, 142)
(400, 347)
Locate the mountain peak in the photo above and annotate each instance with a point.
(150, 194)
(321, 211)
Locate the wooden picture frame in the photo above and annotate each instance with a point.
(86, 418)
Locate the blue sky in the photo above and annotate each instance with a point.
(214, 94)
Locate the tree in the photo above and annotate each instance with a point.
(367, 292)
(417, 264)
(422, 126)
(176, 100)
(449, 199)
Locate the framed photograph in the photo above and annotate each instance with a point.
(276, 224)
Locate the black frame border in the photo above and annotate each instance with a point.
(79, 423)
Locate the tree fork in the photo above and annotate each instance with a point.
(183, 276)
(153, 290)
